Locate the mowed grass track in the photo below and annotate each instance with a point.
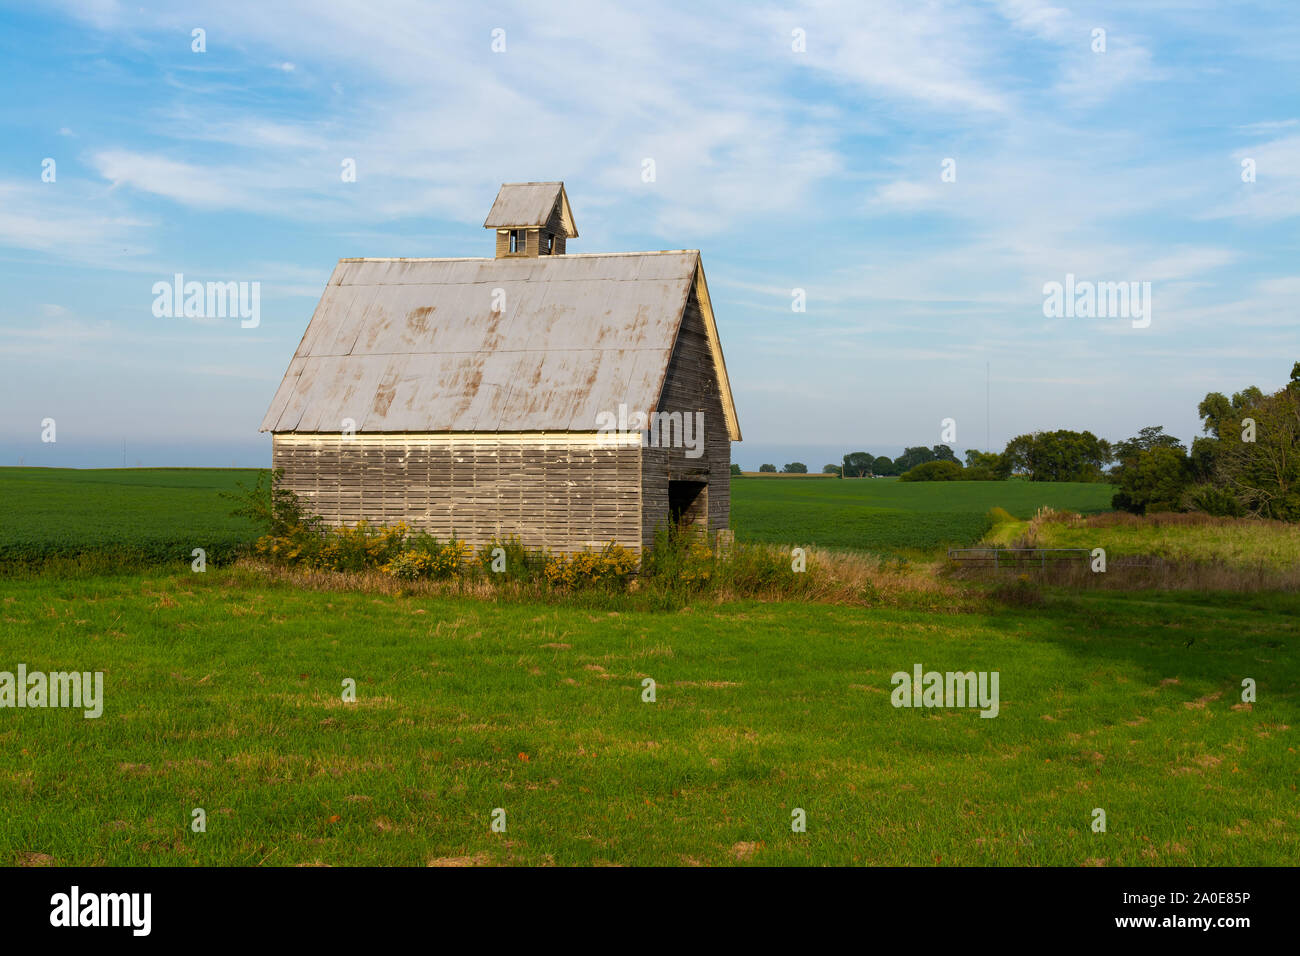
(223, 692)
(886, 516)
(135, 514)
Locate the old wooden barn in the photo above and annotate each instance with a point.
(568, 400)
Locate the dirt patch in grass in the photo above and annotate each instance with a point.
(478, 859)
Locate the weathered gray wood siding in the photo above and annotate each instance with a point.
(565, 492)
(532, 247)
(555, 226)
(690, 385)
(503, 244)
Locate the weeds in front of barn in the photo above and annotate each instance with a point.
(671, 576)
(682, 565)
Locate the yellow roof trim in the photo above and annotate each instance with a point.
(715, 345)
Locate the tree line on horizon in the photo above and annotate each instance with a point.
(1247, 462)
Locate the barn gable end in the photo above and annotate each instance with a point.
(675, 479)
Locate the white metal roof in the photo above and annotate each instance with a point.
(509, 344)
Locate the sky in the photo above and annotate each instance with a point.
(915, 172)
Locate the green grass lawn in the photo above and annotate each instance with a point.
(889, 516)
(223, 692)
(154, 514)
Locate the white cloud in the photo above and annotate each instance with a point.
(904, 193)
(927, 54)
(68, 220)
(1275, 193)
(187, 183)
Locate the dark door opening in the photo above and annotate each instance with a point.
(688, 503)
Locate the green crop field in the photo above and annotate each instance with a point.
(149, 514)
(163, 514)
(886, 515)
(222, 692)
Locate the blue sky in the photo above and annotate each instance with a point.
(817, 169)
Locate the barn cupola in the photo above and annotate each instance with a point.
(531, 219)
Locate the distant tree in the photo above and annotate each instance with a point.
(1246, 463)
(1259, 465)
(1221, 420)
(883, 466)
(983, 466)
(911, 457)
(795, 468)
(1153, 479)
(1153, 436)
(944, 453)
(982, 459)
(1060, 455)
(735, 471)
(857, 464)
(1221, 415)
(1017, 457)
(767, 469)
(1205, 453)
(832, 470)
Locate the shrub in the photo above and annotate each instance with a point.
(679, 559)
(612, 566)
(408, 566)
(1018, 593)
(1213, 501)
(360, 547)
(680, 565)
(520, 564)
(440, 560)
(296, 546)
(276, 510)
(934, 471)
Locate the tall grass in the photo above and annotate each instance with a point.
(1163, 551)
(1176, 539)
